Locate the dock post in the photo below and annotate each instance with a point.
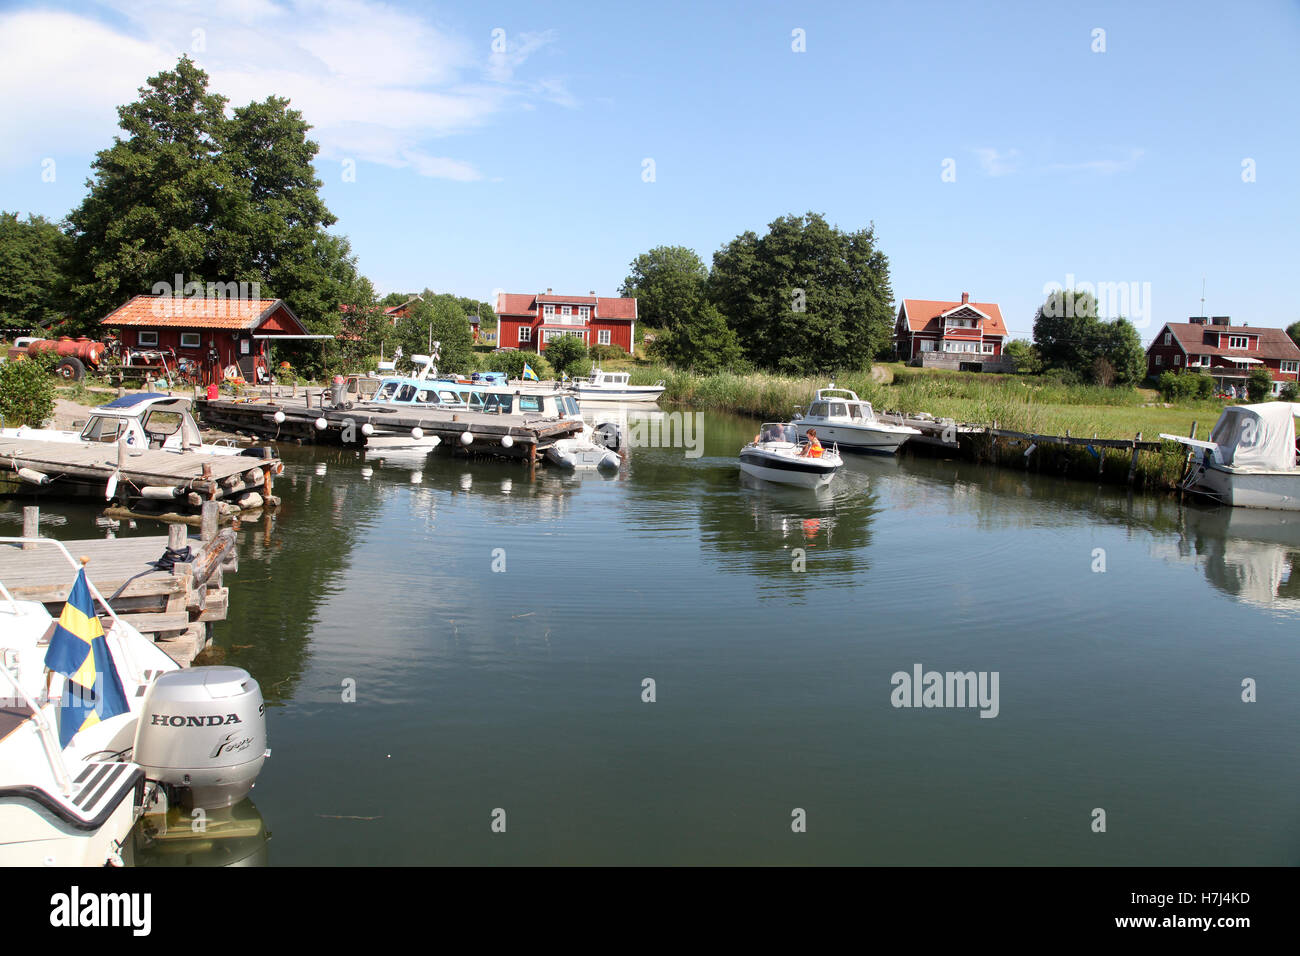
(176, 535)
(1193, 434)
(1133, 462)
(208, 522)
(31, 525)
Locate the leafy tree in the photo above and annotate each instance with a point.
(1293, 330)
(1027, 359)
(33, 263)
(567, 355)
(1259, 385)
(1070, 338)
(703, 342)
(668, 284)
(1290, 392)
(512, 363)
(189, 191)
(26, 393)
(805, 297)
(442, 318)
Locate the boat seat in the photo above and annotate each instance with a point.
(97, 790)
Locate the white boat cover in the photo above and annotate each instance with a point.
(1256, 437)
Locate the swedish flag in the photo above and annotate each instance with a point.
(529, 374)
(79, 651)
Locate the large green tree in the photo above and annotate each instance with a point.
(1070, 337)
(33, 263)
(668, 284)
(442, 319)
(702, 342)
(1293, 330)
(189, 190)
(806, 297)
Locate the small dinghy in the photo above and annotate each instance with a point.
(778, 454)
(594, 448)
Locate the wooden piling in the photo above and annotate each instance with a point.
(210, 518)
(176, 536)
(1133, 461)
(31, 526)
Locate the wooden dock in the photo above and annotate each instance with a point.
(508, 436)
(176, 608)
(166, 478)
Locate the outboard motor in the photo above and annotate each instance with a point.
(608, 435)
(202, 734)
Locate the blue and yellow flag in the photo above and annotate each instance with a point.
(529, 374)
(79, 651)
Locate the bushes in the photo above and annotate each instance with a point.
(607, 353)
(512, 363)
(1290, 392)
(1259, 385)
(568, 355)
(26, 393)
(1176, 387)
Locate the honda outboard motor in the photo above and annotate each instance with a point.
(608, 434)
(202, 733)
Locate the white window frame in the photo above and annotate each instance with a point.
(927, 345)
(1289, 366)
(146, 340)
(1169, 338)
(584, 311)
(548, 309)
(1160, 360)
(566, 310)
(986, 348)
(197, 337)
(602, 337)
(1178, 359)
(525, 333)
(1277, 387)
(1243, 339)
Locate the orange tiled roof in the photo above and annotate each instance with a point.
(159, 311)
(923, 315)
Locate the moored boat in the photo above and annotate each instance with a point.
(615, 387)
(82, 760)
(1250, 459)
(841, 417)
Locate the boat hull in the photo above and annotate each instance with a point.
(647, 394)
(801, 472)
(863, 439)
(1271, 490)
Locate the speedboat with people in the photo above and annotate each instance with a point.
(841, 417)
(100, 727)
(1250, 459)
(780, 454)
(615, 387)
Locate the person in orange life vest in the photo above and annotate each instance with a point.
(814, 448)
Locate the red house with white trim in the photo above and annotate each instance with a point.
(1228, 353)
(216, 333)
(531, 321)
(931, 331)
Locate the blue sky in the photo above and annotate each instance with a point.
(478, 170)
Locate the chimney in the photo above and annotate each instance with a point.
(592, 293)
(1197, 320)
(965, 298)
(1222, 320)
(548, 291)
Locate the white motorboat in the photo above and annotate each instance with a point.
(601, 386)
(841, 417)
(146, 420)
(778, 455)
(1250, 458)
(159, 736)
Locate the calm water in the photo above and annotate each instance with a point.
(522, 690)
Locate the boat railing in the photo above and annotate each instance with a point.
(123, 652)
(53, 753)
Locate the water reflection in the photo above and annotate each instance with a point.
(232, 836)
(1252, 556)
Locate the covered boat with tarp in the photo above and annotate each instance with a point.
(1250, 459)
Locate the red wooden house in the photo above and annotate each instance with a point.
(532, 321)
(931, 331)
(1225, 352)
(215, 333)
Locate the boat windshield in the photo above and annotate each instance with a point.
(776, 431)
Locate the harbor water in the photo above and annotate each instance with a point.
(678, 665)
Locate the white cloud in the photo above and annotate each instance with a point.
(377, 83)
(1105, 167)
(997, 162)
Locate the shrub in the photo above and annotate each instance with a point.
(607, 353)
(512, 363)
(568, 355)
(26, 393)
(1259, 385)
(1290, 392)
